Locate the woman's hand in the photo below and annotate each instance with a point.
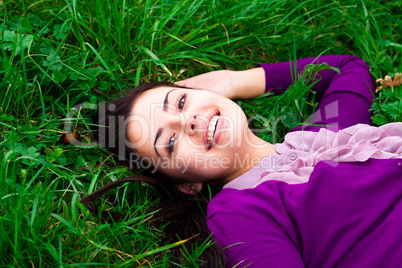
(230, 84)
(219, 82)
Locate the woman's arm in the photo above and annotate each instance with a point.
(345, 98)
(246, 84)
(354, 75)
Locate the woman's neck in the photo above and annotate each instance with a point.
(254, 151)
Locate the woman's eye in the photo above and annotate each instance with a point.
(170, 144)
(181, 101)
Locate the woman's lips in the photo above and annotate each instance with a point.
(212, 127)
(218, 130)
(211, 132)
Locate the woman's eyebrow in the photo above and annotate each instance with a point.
(158, 134)
(166, 101)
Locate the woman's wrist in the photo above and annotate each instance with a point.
(248, 84)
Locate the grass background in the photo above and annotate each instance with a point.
(60, 55)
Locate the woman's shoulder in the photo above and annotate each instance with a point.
(265, 200)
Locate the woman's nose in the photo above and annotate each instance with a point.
(182, 122)
(191, 125)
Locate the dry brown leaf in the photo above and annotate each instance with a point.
(389, 82)
(70, 138)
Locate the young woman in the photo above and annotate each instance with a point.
(329, 195)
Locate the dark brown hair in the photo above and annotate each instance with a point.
(182, 216)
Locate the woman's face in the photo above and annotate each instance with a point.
(190, 135)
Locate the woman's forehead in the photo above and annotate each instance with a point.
(145, 117)
(151, 101)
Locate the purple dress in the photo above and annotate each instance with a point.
(347, 210)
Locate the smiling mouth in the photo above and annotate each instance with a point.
(211, 129)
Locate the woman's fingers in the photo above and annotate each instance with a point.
(180, 83)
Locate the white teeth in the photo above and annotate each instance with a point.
(212, 127)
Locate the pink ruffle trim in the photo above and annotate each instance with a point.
(302, 150)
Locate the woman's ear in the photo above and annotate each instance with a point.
(190, 188)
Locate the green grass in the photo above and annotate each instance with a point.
(57, 55)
